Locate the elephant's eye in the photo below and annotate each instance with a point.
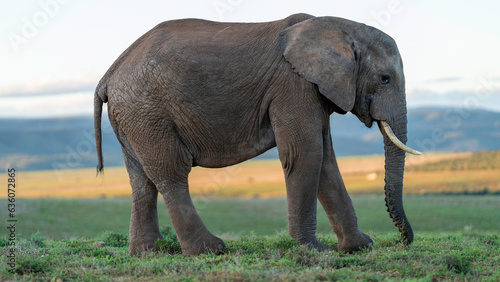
(385, 79)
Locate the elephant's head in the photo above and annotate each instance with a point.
(358, 68)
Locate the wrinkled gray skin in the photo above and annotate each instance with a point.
(199, 93)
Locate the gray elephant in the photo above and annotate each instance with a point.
(199, 93)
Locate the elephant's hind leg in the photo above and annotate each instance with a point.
(170, 175)
(193, 236)
(144, 229)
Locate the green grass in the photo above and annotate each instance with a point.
(230, 218)
(457, 238)
(457, 256)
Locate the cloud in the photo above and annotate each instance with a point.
(49, 87)
(445, 79)
(458, 99)
(68, 104)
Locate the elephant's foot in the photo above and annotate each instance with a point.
(309, 241)
(355, 242)
(315, 244)
(205, 244)
(139, 244)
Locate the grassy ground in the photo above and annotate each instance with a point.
(462, 256)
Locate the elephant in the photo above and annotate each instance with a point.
(193, 92)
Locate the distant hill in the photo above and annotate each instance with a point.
(429, 129)
(68, 143)
(58, 143)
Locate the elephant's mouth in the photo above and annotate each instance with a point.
(384, 127)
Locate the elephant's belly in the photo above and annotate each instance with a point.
(222, 155)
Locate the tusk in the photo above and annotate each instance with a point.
(387, 129)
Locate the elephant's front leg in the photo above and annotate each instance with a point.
(337, 203)
(300, 151)
(302, 171)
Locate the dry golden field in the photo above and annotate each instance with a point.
(430, 173)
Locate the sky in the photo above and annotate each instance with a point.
(54, 52)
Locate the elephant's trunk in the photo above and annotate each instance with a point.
(394, 172)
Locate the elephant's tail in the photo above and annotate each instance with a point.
(100, 97)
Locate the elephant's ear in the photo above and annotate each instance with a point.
(321, 52)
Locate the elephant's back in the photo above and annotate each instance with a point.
(172, 47)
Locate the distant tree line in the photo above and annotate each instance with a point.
(484, 160)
